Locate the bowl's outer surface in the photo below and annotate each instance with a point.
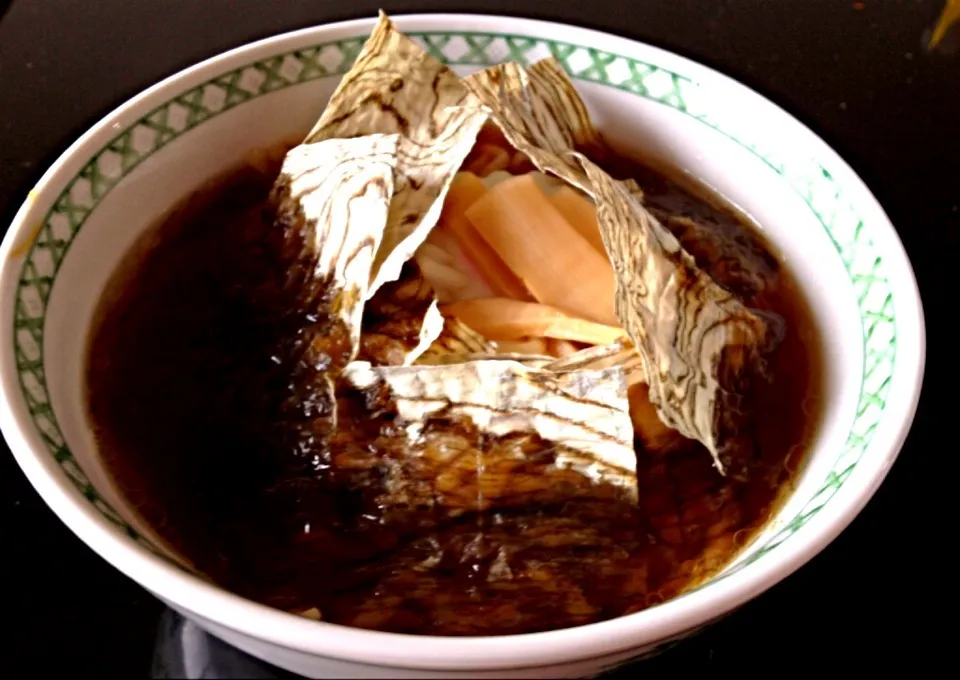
(126, 171)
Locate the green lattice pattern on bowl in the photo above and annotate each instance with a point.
(812, 182)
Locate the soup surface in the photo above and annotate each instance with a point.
(189, 378)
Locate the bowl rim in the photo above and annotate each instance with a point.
(491, 653)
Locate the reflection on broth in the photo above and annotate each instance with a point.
(470, 437)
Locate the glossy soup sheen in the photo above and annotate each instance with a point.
(188, 373)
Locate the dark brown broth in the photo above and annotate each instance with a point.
(182, 385)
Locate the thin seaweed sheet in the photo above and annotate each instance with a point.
(394, 87)
(495, 433)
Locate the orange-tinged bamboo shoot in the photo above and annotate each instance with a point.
(487, 158)
(500, 319)
(531, 346)
(555, 263)
(581, 214)
(561, 348)
(465, 190)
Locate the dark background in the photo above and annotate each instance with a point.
(856, 72)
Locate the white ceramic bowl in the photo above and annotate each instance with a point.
(142, 158)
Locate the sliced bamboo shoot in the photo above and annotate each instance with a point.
(486, 159)
(465, 190)
(561, 348)
(533, 346)
(501, 319)
(581, 213)
(558, 265)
